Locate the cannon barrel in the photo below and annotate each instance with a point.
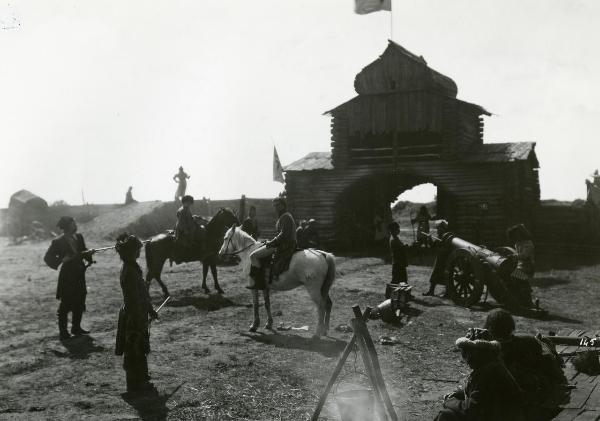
(499, 263)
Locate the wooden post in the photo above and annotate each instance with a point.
(242, 214)
(363, 339)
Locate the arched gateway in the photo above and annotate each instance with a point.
(406, 127)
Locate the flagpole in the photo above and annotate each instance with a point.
(391, 20)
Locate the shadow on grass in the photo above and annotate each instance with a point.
(547, 282)
(211, 303)
(151, 405)
(328, 347)
(526, 313)
(79, 348)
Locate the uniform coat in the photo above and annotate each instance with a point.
(71, 288)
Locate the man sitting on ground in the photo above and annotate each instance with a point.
(491, 394)
(533, 364)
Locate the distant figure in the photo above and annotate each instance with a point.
(398, 254)
(133, 335)
(250, 224)
(180, 178)
(129, 196)
(69, 252)
(596, 178)
(522, 275)
(490, 394)
(301, 239)
(422, 220)
(312, 234)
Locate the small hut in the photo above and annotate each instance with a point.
(24, 208)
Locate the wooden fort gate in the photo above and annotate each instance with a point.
(404, 128)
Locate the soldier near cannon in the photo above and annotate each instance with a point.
(70, 253)
(490, 392)
(442, 251)
(523, 273)
(133, 334)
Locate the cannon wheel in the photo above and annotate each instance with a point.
(465, 283)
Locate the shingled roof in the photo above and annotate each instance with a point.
(312, 161)
(503, 152)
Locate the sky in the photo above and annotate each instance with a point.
(96, 96)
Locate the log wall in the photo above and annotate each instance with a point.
(472, 197)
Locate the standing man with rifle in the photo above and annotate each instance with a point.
(69, 252)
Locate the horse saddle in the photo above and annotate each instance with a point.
(277, 264)
(190, 247)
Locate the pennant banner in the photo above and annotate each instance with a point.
(277, 168)
(362, 7)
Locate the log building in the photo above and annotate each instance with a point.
(404, 128)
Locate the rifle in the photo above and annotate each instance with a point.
(100, 249)
(433, 237)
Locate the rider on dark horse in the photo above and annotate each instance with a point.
(188, 233)
(282, 246)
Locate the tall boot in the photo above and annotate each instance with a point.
(62, 325)
(257, 279)
(76, 324)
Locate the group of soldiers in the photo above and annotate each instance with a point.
(511, 375)
(70, 253)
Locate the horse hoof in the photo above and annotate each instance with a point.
(206, 290)
(269, 325)
(220, 291)
(253, 328)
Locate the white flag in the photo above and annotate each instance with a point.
(362, 7)
(277, 168)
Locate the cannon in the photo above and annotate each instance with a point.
(469, 268)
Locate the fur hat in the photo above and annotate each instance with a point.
(187, 198)
(64, 222)
(127, 245)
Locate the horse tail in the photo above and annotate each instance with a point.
(330, 276)
(148, 251)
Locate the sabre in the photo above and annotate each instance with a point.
(163, 303)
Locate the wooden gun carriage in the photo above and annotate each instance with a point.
(469, 269)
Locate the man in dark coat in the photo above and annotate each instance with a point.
(398, 255)
(284, 243)
(533, 363)
(490, 394)
(69, 252)
(133, 335)
(437, 276)
(250, 224)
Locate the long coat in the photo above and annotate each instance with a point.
(71, 288)
(134, 325)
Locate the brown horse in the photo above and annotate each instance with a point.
(161, 247)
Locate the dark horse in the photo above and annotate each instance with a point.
(161, 247)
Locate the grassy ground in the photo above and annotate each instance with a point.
(207, 366)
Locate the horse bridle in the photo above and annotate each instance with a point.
(235, 253)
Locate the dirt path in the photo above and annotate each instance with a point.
(206, 365)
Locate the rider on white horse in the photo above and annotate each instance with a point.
(283, 243)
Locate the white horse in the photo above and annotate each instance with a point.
(312, 268)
